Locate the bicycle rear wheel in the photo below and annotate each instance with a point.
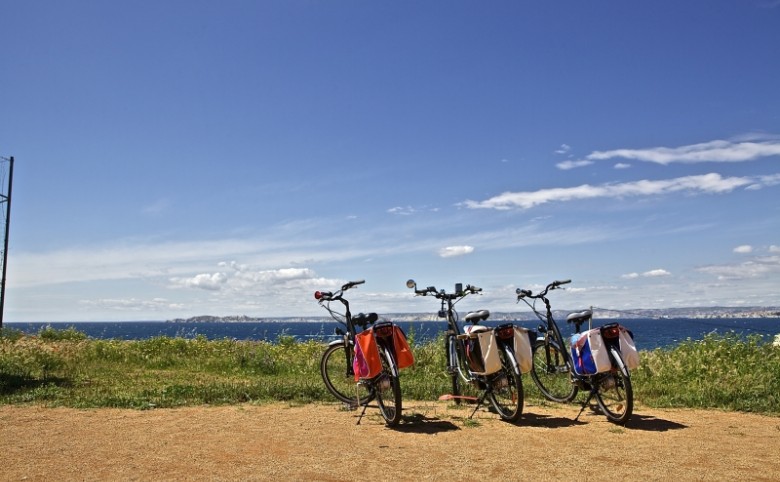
(551, 372)
(388, 390)
(336, 371)
(615, 395)
(506, 392)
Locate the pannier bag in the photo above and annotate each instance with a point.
(628, 349)
(482, 351)
(523, 354)
(589, 353)
(403, 353)
(366, 363)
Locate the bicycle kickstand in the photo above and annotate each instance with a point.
(585, 403)
(365, 405)
(480, 401)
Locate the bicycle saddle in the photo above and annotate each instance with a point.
(363, 320)
(579, 317)
(477, 316)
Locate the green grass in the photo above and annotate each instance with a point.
(65, 368)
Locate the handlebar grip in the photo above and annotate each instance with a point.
(564, 282)
(322, 295)
(473, 289)
(350, 284)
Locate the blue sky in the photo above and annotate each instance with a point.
(179, 158)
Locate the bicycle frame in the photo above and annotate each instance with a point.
(386, 379)
(555, 345)
(507, 380)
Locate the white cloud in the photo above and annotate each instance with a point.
(744, 249)
(402, 210)
(754, 268)
(132, 304)
(566, 165)
(202, 281)
(774, 249)
(712, 183)
(563, 149)
(713, 151)
(452, 251)
(622, 165)
(654, 273)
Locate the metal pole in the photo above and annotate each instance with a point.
(7, 226)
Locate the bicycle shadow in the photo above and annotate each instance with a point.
(650, 423)
(419, 423)
(548, 421)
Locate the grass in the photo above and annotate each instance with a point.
(65, 368)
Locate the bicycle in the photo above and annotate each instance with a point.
(501, 383)
(338, 367)
(593, 362)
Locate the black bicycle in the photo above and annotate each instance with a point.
(337, 365)
(592, 360)
(496, 374)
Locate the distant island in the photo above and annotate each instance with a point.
(598, 313)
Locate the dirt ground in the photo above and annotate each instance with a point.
(434, 442)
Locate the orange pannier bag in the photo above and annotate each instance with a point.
(366, 363)
(403, 354)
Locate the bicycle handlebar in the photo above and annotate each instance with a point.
(521, 293)
(330, 296)
(444, 295)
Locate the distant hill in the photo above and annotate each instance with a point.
(599, 313)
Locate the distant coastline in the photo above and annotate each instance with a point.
(599, 313)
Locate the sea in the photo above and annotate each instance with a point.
(648, 333)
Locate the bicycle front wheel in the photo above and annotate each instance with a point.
(336, 370)
(388, 390)
(615, 395)
(551, 372)
(506, 392)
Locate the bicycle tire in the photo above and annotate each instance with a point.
(339, 379)
(551, 372)
(506, 394)
(452, 366)
(387, 387)
(615, 395)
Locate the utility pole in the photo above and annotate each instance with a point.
(5, 198)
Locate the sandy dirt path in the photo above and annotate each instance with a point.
(434, 442)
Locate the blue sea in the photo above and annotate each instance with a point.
(648, 333)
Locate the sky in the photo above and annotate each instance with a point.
(182, 157)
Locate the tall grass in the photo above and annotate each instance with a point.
(65, 368)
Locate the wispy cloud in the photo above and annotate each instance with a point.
(754, 268)
(713, 151)
(452, 251)
(402, 210)
(703, 184)
(653, 273)
(566, 165)
(745, 148)
(744, 249)
(132, 304)
(563, 149)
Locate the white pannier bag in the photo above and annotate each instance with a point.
(482, 350)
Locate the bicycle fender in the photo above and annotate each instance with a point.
(336, 342)
(618, 360)
(510, 355)
(390, 360)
